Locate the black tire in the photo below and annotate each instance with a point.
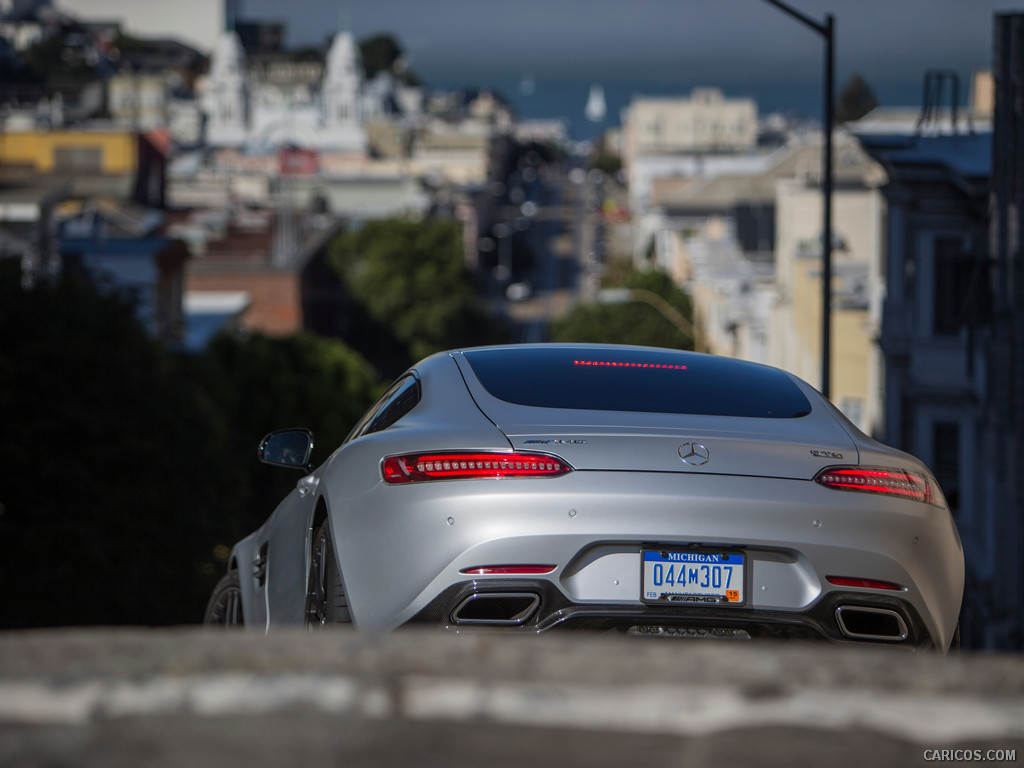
(225, 606)
(326, 602)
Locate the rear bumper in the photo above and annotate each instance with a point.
(453, 610)
(591, 527)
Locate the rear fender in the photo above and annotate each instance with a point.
(253, 605)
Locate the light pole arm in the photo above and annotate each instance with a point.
(670, 313)
(807, 20)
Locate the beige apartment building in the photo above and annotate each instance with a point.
(747, 245)
(858, 212)
(707, 121)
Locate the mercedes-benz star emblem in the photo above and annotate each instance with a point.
(694, 454)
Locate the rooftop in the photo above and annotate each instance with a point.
(967, 154)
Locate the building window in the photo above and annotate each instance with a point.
(962, 293)
(946, 460)
(78, 159)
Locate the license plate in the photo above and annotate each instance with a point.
(692, 577)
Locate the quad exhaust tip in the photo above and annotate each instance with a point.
(497, 608)
(859, 622)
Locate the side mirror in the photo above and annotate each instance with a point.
(288, 448)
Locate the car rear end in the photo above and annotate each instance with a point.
(669, 494)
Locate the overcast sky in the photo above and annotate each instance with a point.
(741, 45)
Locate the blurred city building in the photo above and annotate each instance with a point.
(194, 22)
(858, 211)
(742, 233)
(41, 169)
(148, 271)
(284, 99)
(705, 122)
(261, 270)
(23, 23)
(1003, 417)
(952, 317)
(153, 87)
(255, 156)
(666, 136)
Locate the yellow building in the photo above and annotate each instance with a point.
(91, 162)
(108, 152)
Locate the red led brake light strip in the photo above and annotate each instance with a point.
(613, 364)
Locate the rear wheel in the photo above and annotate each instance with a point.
(326, 603)
(225, 606)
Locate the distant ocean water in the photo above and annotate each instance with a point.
(552, 98)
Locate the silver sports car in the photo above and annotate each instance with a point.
(645, 491)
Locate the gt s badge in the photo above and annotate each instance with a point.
(554, 442)
(826, 454)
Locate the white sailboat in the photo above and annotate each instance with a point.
(596, 108)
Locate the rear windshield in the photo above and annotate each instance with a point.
(637, 380)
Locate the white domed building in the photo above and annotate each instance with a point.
(290, 102)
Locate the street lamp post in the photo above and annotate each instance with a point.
(826, 30)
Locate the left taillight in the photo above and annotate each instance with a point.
(883, 481)
(462, 465)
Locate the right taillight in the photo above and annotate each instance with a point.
(883, 481)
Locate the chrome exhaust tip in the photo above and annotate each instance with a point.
(497, 608)
(859, 622)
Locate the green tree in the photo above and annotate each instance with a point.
(261, 384)
(54, 61)
(411, 277)
(856, 99)
(383, 53)
(110, 492)
(128, 471)
(607, 162)
(630, 322)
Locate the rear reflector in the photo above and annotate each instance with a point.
(883, 482)
(844, 581)
(508, 570)
(463, 465)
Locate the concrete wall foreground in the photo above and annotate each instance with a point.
(188, 697)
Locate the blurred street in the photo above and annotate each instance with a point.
(565, 235)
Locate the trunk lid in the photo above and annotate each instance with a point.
(796, 452)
